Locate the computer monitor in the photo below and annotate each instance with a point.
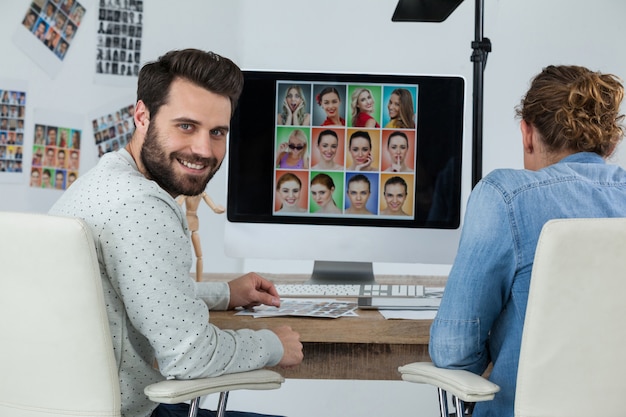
(346, 170)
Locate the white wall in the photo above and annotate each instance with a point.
(325, 35)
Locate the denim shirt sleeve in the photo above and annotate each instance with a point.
(478, 285)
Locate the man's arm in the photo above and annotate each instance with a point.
(148, 258)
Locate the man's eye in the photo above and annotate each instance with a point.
(185, 126)
(217, 132)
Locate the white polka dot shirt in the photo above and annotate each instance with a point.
(157, 312)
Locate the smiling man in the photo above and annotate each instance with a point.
(157, 312)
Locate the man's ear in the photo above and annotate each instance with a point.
(142, 116)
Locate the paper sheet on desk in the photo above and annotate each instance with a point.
(409, 314)
(301, 307)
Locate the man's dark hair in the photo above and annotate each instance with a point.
(206, 69)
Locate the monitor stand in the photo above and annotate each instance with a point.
(334, 272)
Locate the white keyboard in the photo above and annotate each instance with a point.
(374, 296)
(348, 290)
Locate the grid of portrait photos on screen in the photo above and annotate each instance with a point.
(119, 37)
(13, 105)
(345, 150)
(113, 130)
(56, 157)
(54, 23)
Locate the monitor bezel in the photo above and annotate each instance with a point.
(452, 121)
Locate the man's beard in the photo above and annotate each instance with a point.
(159, 166)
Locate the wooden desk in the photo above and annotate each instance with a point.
(364, 347)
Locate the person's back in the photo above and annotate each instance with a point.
(481, 316)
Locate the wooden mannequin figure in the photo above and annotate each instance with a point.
(191, 211)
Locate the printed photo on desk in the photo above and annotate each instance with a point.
(304, 308)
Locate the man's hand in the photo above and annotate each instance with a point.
(251, 290)
(292, 347)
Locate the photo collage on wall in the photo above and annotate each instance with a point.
(56, 157)
(120, 26)
(13, 109)
(112, 131)
(345, 150)
(54, 23)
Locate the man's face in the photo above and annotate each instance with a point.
(185, 142)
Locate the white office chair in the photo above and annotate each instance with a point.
(56, 354)
(572, 353)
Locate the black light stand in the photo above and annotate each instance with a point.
(481, 47)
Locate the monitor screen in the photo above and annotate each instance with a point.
(356, 159)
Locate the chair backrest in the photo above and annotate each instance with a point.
(56, 354)
(572, 354)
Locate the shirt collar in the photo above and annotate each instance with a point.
(584, 157)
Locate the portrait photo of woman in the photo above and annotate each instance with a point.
(363, 105)
(293, 108)
(400, 108)
(361, 194)
(399, 151)
(326, 197)
(328, 151)
(330, 110)
(362, 152)
(293, 152)
(395, 196)
(35, 177)
(290, 193)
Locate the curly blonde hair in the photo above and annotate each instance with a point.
(574, 108)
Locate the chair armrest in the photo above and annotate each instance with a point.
(173, 391)
(464, 385)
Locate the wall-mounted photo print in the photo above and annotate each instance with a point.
(12, 113)
(113, 130)
(56, 156)
(120, 30)
(54, 24)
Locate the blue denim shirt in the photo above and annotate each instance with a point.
(482, 312)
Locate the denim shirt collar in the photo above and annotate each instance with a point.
(583, 157)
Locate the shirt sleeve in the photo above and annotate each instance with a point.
(215, 294)
(147, 257)
(478, 285)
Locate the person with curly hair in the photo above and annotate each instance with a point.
(570, 125)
